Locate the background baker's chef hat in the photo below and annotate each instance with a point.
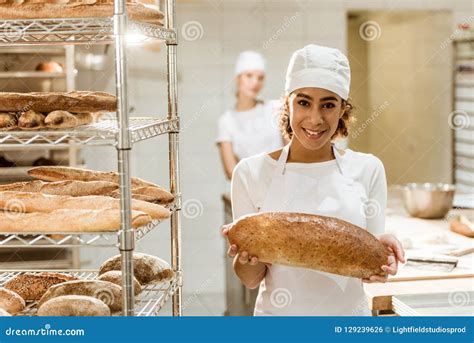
(320, 67)
(249, 60)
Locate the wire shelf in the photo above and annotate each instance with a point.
(76, 31)
(103, 132)
(148, 303)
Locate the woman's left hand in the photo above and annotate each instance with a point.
(396, 254)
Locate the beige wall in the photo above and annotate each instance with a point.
(407, 94)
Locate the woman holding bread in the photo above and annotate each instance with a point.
(310, 175)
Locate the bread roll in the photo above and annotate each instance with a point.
(146, 268)
(37, 202)
(4, 313)
(74, 305)
(11, 301)
(108, 292)
(75, 102)
(64, 119)
(310, 241)
(115, 276)
(72, 188)
(107, 220)
(71, 173)
(32, 286)
(8, 120)
(31, 120)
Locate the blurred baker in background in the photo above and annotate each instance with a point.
(251, 127)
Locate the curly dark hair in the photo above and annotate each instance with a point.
(342, 127)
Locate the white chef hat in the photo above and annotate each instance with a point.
(320, 67)
(249, 60)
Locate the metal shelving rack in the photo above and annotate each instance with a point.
(121, 133)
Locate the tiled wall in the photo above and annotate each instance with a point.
(212, 33)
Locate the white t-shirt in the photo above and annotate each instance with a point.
(251, 132)
(252, 177)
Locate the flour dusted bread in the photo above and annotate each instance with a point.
(115, 276)
(37, 202)
(32, 286)
(72, 188)
(11, 301)
(31, 120)
(150, 194)
(64, 119)
(46, 102)
(74, 305)
(147, 268)
(8, 120)
(107, 220)
(309, 241)
(107, 292)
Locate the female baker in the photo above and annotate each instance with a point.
(311, 175)
(250, 128)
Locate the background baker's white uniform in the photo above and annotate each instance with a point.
(298, 291)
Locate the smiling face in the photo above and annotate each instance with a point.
(314, 116)
(250, 83)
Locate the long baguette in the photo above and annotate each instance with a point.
(309, 241)
(151, 194)
(37, 202)
(68, 221)
(70, 173)
(72, 188)
(76, 102)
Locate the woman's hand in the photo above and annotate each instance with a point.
(396, 254)
(243, 256)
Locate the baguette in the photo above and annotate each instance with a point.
(31, 120)
(150, 194)
(146, 268)
(74, 305)
(72, 188)
(115, 276)
(64, 119)
(70, 173)
(32, 286)
(76, 102)
(11, 301)
(91, 8)
(37, 202)
(107, 220)
(309, 241)
(108, 292)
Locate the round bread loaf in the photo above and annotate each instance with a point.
(115, 276)
(4, 313)
(11, 301)
(74, 305)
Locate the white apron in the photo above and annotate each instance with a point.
(291, 291)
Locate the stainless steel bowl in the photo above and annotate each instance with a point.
(428, 200)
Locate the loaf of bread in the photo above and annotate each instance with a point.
(11, 301)
(149, 194)
(463, 226)
(309, 241)
(78, 174)
(31, 120)
(115, 276)
(32, 286)
(107, 220)
(27, 9)
(146, 268)
(8, 120)
(37, 202)
(45, 102)
(4, 313)
(74, 305)
(64, 119)
(108, 292)
(72, 188)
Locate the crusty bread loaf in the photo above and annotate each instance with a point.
(71, 173)
(72, 188)
(45, 102)
(462, 226)
(90, 8)
(108, 292)
(107, 220)
(37, 202)
(309, 241)
(11, 301)
(146, 268)
(149, 194)
(64, 119)
(4, 313)
(74, 305)
(115, 276)
(31, 120)
(32, 286)
(8, 120)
